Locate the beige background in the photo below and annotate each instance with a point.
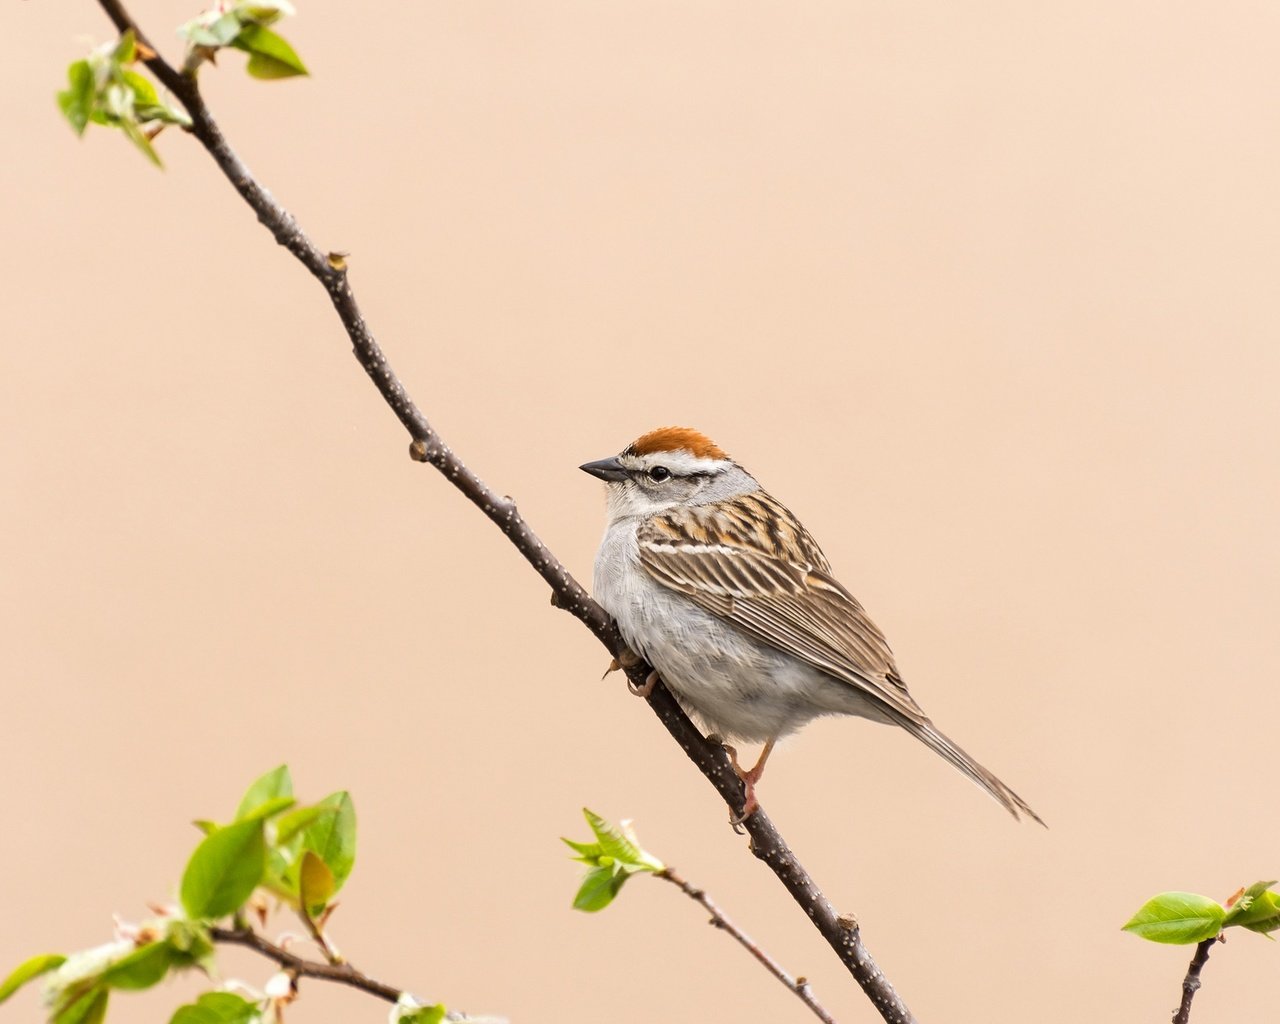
(986, 292)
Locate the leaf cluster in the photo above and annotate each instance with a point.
(104, 88)
(614, 857)
(1182, 918)
(242, 25)
(300, 853)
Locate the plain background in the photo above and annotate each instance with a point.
(985, 292)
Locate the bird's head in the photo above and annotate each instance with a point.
(668, 467)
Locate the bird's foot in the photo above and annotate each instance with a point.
(627, 658)
(645, 688)
(749, 776)
(749, 807)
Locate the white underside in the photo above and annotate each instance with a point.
(738, 686)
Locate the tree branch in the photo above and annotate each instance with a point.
(1191, 983)
(343, 974)
(841, 932)
(797, 985)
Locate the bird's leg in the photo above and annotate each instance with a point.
(749, 779)
(627, 658)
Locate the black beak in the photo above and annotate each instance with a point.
(605, 469)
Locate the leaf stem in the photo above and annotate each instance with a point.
(329, 950)
(840, 931)
(799, 986)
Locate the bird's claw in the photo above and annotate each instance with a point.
(749, 778)
(627, 658)
(749, 808)
(645, 688)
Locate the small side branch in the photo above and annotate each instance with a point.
(1191, 983)
(343, 974)
(797, 985)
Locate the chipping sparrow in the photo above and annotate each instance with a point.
(717, 585)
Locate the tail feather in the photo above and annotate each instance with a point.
(927, 734)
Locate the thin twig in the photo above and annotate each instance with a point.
(797, 985)
(841, 932)
(1191, 983)
(343, 974)
(329, 950)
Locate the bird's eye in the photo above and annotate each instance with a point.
(659, 473)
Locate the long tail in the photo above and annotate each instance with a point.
(927, 734)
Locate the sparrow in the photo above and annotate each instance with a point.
(718, 586)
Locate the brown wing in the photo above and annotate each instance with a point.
(719, 556)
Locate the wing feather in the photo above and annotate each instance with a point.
(750, 561)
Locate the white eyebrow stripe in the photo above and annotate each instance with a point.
(681, 463)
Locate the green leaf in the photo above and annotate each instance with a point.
(144, 93)
(1178, 917)
(598, 889)
(424, 1015)
(1265, 925)
(268, 68)
(328, 829)
(275, 783)
(206, 826)
(264, 12)
(216, 1008)
(142, 968)
(224, 870)
(315, 883)
(1242, 904)
(268, 808)
(77, 101)
(289, 826)
(89, 1008)
(281, 876)
(190, 942)
(126, 51)
(612, 841)
(620, 843)
(269, 55)
(1257, 909)
(409, 1011)
(136, 135)
(588, 853)
(160, 112)
(29, 970)
(333, 836)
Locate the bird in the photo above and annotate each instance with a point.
(720, 588)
